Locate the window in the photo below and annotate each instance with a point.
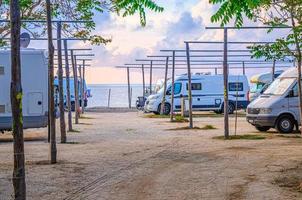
(235, 87)
(195, 86)
(295, 91)
(1, 70)
(177, 89)
(2, 108)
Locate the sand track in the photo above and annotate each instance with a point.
(125, 156)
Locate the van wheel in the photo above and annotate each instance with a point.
(262, 128)
(285, 124)
(167, 109)
(231, 108)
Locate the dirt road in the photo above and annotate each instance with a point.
(126, 156)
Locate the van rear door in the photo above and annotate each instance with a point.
(35, 103)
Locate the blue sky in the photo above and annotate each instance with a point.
(181, 20)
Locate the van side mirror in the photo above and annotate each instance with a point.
(181, 96)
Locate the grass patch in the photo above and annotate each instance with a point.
(72, 143)
(180, 119)
(184, 128)
(84, 117)
(290, 136)
(74, 131)
(208, 127)
(156, 116)
(242, 137)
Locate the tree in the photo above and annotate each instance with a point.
(274, 13)
(16, 103)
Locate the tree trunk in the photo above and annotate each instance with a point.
(76, 86)
(299, 62)
(51, 109)
(68, 100)
(61, 89)
(16, 103)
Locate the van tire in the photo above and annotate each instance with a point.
(285, 124)
(231, 109)
(167, 109)
(262, 128)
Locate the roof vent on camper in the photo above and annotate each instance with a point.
(24, 40)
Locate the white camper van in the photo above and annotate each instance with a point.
(260, 82)
(207, 93)
(278, 106)
(34, 77)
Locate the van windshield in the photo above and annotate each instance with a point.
(256, 87)
(279, 86)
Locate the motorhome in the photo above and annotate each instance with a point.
(260, 82)
(34, 75)
(86, 94)
(278, 106)
(207, 93)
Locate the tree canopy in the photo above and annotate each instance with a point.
(75, 10)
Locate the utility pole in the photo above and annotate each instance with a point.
(51, 109)
(61, 89)
(163, 101)
(143, 74)
(68, 100)
(129, 89)
(273, 69)
(151, 73)
(189, 85)
(172, 89)
(83, 85)
(225, 81)
(16, 103)
(76, 87)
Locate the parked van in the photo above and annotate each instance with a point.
(34, 75)
(87, 92)
(278, 106)
(260, 82)
(207, 93)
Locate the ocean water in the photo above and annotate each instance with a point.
(118, 95)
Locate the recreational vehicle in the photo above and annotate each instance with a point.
(207, 93)
(87, 92)
(278, 106)
(260, 82)
(34, 75)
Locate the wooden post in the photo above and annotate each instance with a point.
(61, 89)
(109, 94)
(76, 91)
(143, 74)
(16, 103)
(51, 108)
(129, 90)
(243, 68)
(189, 85)
(163, 101)
(273, 69)
(225, 81)
(83, 85)
(151, 71)
(172, 88)
(215, 70)
(68, 101)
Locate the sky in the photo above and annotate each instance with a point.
(181, 21)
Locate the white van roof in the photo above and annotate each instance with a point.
(24, 51)
(289, 73)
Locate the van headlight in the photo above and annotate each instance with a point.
(153, 97)
(265, 110)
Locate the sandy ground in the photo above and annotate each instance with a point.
(126, 156)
